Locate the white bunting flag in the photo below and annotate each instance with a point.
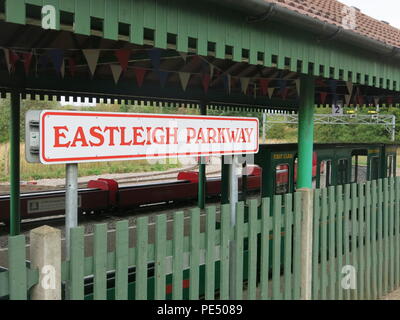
(350, 86)
(211, 71)
(376, 100)
(184, 77)
(116, 70)
(270, 92)
(347, 97)
(7, 56)
(245, 84)
(92, 57)
(183, 55)
(297, 82)
(62, 70)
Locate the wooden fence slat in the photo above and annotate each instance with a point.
(160, 250)
(354, 234)
(339, 241)
(77, 256)
(391, 235)
(331, 232)
(324, 244)
(346, 232)
(210, 254)
(225, 239)
(316, 244)
(368, 253)
(238, 269)
(121, 260)
(374, 253)
(100, 261)
(385, 236)
(17, 281)
(297, 245)
(177, 264)
(265, 240)
(380, 239)
(397, 231)
(252, 259)
(194, 254)
(141, 258)
(276, 249)
(288, 250)
(361, 217)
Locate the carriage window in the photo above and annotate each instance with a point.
(390, 166)
(282, 179)
(342, 171)
(359, 164)
(325, 169)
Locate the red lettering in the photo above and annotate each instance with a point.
(221, 137)
(191, 134)
(94, 133)
(58, 135)
(173, 135)
(123, 142)
(249, 131)
(200, 136)
(80, 137)
(211, 133)
(138, 133)
(111, 130)
(160, 139)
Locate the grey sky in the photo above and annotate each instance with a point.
(387, 10)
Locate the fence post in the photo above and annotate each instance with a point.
(306, 243)
(45, 254)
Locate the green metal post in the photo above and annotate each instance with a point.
(15, 164)
(202, 169)
(306, 132)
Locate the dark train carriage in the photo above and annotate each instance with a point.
(333, 164)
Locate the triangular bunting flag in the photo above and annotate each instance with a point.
(270, 92)
(184, 78)
(264, 86)
(350, 87)
(62, 71)
(244, 82)
(139, 73)
(116, 71)
(376, 100)
(227, 82)
(183, 55)
(27, 56)
(123, 56)
(92, 57)
(390, 100)
(211, 71)
(155, 56)
(297, 83)
(323, 96)
(163, 77)
(332, 85)
(284, 93)
(7, 58)
(72, 66)
(57, 57)
(14, 57)
(347, 98)
(205, 81)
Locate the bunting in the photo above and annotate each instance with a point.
(350, 87)
(57, 58)
(376, 100)
(184, 78)
(27, 59)
(92, 57)
(139, 74)
(270, 92)
(155, 57)
(347, 98)
(72, 66)
(297, 83)
(116, 71)
(163, 75)
(264, 83)
(7, 58)
(205, 81)
(323, 96)
(123, 56)
(244, 83)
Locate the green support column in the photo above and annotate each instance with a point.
(202, 169)
(15, 164)
(306, 132)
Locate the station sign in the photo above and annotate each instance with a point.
(75, 137)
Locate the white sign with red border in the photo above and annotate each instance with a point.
(74, 137)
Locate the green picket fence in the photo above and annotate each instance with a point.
(357, 226)
(195, 265)
(18, 278)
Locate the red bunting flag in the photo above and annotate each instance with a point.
(390, 100)
(285, 92)
(323, 96)
(139, 73)
(264, 83)
(72, 66)
(27, 56)
(123, 56)
(14, 57)
(206, 82)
